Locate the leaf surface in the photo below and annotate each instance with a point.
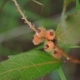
(69, 31)
(28, 66)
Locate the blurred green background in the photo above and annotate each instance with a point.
(16, 37)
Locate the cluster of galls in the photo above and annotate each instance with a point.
(49, 37)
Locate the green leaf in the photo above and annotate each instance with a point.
(65, 4)
(61, 74)
(28, 66)
(68, 31)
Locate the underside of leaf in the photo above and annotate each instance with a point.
(68, 32)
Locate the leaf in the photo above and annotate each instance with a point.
(65, 4)
(28, 66)
(77, 5)
(69, 30)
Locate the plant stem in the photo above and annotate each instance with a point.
(69, 58)
(23, 16)
(61, 74)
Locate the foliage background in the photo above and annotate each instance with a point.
(15, 36)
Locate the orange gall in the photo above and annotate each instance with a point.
(37, 40)
(49, 46)
(50, 35)
(41, 32)
(57, 54)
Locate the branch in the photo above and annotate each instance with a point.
(24, 17)
(74, 60)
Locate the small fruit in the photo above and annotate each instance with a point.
(37, 40)
(50, 35)
(41, 32)
(49, 46)
(56, 53)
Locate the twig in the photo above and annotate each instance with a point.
(74, 60)
(39, 3)
(23, 16)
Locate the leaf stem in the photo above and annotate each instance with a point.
(61, 74)
(64, 9)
